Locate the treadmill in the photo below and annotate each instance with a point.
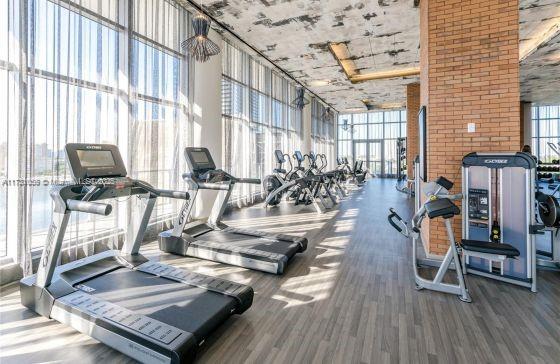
(211, 239)
(150, 311)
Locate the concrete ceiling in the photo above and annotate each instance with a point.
(381, 35)
(540, 35)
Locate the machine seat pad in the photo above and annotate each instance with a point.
(442, 207)
(490, 248)
(279, 170)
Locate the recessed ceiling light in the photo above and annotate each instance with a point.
(318, 83)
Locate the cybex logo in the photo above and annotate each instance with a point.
(93, 147)
(48, 248)
(496, 161)
(184, 214)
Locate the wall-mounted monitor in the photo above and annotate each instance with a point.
(423, 144)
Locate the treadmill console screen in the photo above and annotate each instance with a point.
(199, 160)
(200, 157)
(94, 161)
(96, 158)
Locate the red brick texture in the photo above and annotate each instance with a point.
(412, 108)
(469, 74)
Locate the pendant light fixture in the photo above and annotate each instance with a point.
(199, 46)
(300, 101)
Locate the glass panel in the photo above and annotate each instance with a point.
(4, 99)
(156, 125)
(390, 157)
(392, 130)
(73, 45)
(359, 118)
(360, 131)
(375, 157)
(360, 151)
(376, 117)
(375, 131)
(158, 20)
(154, 72)
(545, 129)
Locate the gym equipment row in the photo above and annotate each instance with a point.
(355, 174)
(98, 295)
(308, 185)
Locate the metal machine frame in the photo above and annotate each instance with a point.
(64, 293)
(521, 175)
(188, 238)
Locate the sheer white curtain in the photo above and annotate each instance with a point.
(85, 72)
(257, 119)
(323, 131)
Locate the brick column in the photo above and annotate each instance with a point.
(469, 74)
(412, 108)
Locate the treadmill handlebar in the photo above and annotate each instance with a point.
(255, 181)
(213, 186)
(180, 195)
(89, 207)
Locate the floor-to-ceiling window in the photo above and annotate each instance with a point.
(258, 117)
(322, 131)
(546, 132)
(94, 72)
(372, 137)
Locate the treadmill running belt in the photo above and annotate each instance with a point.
(251, 242)
(189, 308)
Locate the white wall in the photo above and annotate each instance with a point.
(207, 115)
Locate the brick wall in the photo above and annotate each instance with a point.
(412, 108)
(470, 70)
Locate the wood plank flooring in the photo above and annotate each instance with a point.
(348, 299)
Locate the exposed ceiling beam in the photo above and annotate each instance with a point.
(380, 75)
(342, 55)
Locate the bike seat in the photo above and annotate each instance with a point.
(279, 170)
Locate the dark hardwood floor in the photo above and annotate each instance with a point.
(348, 299)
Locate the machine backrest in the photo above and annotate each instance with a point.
(94, 161)
(199, 160)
